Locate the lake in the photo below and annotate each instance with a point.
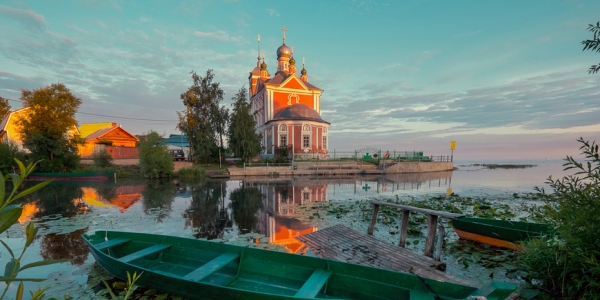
(258, 212)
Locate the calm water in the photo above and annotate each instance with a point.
(262, 212)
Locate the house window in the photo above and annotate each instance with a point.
(306, 141)
(305, 127)
(283, 140)
(324, 142)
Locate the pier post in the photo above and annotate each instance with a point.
(440, 242)
(373, 219)
(404, 228)
(432, 221)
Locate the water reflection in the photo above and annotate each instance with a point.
(208, 213)
(158, 197)
(65, 246)
(63, 199)
(246, 203)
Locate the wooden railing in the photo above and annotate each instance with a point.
(432, 223)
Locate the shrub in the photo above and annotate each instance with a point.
(567, 266)
(191, 172)
(155, 159)
(102, 159)
(8, 152)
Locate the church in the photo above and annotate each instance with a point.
(286, 107)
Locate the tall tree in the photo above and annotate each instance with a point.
(47, 130)
(155, 160)
(4, 107)
(244, 142)
(202, 118)
(593, 44)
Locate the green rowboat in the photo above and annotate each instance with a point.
(198, 269)
(499, 233)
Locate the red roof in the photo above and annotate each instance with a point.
(298, 112)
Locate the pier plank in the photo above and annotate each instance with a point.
(345, 244)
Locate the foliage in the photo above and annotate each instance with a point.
(568, 265)
(208, 213)
(129, 287)
(244, 142)
(102, 159)
(9, 214)
(191, 172)
(203, 120)
(155, 159)
(46, 128)
(8, 152)
(593, 44)
(4, 108)
(282, 154)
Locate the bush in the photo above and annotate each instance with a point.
(568, 265)
(102, 159)
(8, 152)
(155, 159)
(191, 172)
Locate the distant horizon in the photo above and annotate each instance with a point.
(506, 80)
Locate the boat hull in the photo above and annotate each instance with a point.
(70, 177)
(198, 269)
(498, 233)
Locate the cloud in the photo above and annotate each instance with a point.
(27, 18)
(101, 24)
(272, 12)
(220, 35)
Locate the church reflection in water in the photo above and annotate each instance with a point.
(280, 197)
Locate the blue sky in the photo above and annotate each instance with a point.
(507, 80)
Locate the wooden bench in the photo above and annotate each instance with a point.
(314, 284)
(432, 223)
(111, 243)
(212, 266)
(145, 252)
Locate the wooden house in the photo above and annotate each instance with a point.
(109, 136)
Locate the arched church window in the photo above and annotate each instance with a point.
(305, 127)
(282, 128)
(324, 129)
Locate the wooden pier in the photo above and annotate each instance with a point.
(345, 244)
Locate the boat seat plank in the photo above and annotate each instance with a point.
(144, 252)
(111, 243)
(212, 266)
(314, 284)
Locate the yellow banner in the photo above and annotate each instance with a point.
(452, 145)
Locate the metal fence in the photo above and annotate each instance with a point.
(369, 155)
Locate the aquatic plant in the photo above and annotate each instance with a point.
(127, 290)
(9, 214)
(567, 266)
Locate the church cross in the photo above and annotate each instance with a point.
(292, 49)
(263, 56)
(284, 30)
(303, 62)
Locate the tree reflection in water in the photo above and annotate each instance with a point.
(59, 198)
(246, 201)
(158, 197)
(65, 246)
(207, 212)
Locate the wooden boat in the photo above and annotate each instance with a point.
(71, 177)
(198, 269)
(499, 233)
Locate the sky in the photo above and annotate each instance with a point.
(507, 80)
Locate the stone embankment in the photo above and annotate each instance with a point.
(340, 168)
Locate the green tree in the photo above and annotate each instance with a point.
(155, 159)
(244, 142)
(567, 266)
(4, 108)
(203, 119)
(593, 44)
(8, 152)
(46, 131)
